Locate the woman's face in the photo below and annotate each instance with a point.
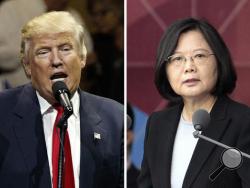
(192, 69)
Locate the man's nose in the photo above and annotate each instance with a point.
(56, 58)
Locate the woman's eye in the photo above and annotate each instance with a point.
(177, 58)
(199, 56)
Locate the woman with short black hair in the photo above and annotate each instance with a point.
(194, 70)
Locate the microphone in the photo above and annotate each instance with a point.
(231, 157)
(200, 119)
(62, 95)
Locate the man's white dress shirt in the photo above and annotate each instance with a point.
(49, 117)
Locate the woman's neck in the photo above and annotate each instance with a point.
(191, 105)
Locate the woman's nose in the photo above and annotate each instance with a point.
(190, 65)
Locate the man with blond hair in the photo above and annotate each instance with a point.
(53, 50)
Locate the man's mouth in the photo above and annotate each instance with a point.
(58, 77)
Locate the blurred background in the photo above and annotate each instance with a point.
(146, 22)
(103, 22)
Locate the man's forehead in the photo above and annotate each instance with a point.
(56, 38)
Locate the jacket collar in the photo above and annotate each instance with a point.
(172, 119)
(27, 124)
(215, 130)
(203, 149)
(93, 139)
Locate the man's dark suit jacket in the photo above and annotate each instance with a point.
(23, 154)
(230, 124)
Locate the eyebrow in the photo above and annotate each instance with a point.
(48, 47)
(65, 44)
(40, 48)
(198, 49)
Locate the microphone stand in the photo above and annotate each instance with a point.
(231, 157)
(63, 125)
(197, 134)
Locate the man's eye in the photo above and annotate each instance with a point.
(42, 52)
(66, 48)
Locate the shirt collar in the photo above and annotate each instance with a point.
(76, 103)
(46, 107)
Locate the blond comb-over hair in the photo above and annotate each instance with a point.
(52, 23)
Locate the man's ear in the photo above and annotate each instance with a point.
(83, 62)
(26, 67)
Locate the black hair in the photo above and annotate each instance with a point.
(226, 72)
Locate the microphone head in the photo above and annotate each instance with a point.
(58, 88)
(200, 119)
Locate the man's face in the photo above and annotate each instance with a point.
(54, 57)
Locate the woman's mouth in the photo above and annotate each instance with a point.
(191, 82)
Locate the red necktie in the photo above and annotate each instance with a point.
(68, 176)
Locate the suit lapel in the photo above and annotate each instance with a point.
(27, 124)
(166, 136)
(203, 149)
(93, 137)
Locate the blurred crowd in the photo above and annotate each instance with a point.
(103, 23)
